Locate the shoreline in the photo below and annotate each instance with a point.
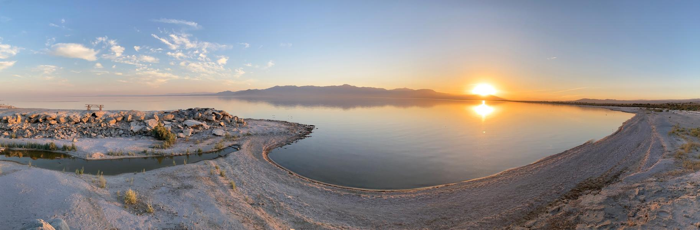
(267, 196)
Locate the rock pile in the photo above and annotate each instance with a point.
(101, 124)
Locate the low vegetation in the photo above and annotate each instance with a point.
(149, 208)
(130, 197)
(48, 146)
(163, 134)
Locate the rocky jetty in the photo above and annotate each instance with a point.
(103, 124)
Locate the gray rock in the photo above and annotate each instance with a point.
(181, 135)
(135, 127)
(38, 224)
(218, 132)
(193, 123)
(59, 224)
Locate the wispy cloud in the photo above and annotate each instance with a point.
(179, 22)
(551, 58)
(572, 89)
(61, 24)
(286, 45)
(6, 64)
(245, 45)
(8, 51)
(98, 66)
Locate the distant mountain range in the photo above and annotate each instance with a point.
(347, 91)
(613, 101)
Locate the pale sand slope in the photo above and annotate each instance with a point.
(270, 198)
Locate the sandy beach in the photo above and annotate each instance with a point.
(632, 178)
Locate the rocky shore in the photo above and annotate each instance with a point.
(18, 123)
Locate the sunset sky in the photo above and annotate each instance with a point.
(553, 50)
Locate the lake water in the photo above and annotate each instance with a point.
(62, 162)
(397, 143)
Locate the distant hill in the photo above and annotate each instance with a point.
(613, 101)
(348, 91)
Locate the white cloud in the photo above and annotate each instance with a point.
(118, 73)
(183, 41)
(114, 66)
(551, 58)
(73, 50)
(202, 67)
(47, 71)
(149, 59)
(137, 48)
(50, 42)
(238, 72)
(154, 78)
(179, 22)
(270, 64)
(177, 55)
(98, 65)
(7, 51)
(248, 64)
(62, 24)
(286, 45)
(222, 60)
(118, 50)
(245, 45)
(6, 64)
(163, 40)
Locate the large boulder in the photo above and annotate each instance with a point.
(151, 123)
(135, 127)
(194, 124)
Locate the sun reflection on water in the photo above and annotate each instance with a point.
(483, 110)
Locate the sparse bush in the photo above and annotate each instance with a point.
(222, 174)
(163, 134)
(219, 146)
(149, 208)
(130, 197)
(102, 181)
(233, 185)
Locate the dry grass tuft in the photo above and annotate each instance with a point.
(130, 197)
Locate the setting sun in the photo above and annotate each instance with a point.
(484, 90)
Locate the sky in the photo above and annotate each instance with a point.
(529, 50)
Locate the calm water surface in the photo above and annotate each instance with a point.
(397, 143)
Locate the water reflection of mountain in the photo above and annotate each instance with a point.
(346, 102)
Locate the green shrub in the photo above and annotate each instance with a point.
(163, 134)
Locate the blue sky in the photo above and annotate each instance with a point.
(527, 49)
